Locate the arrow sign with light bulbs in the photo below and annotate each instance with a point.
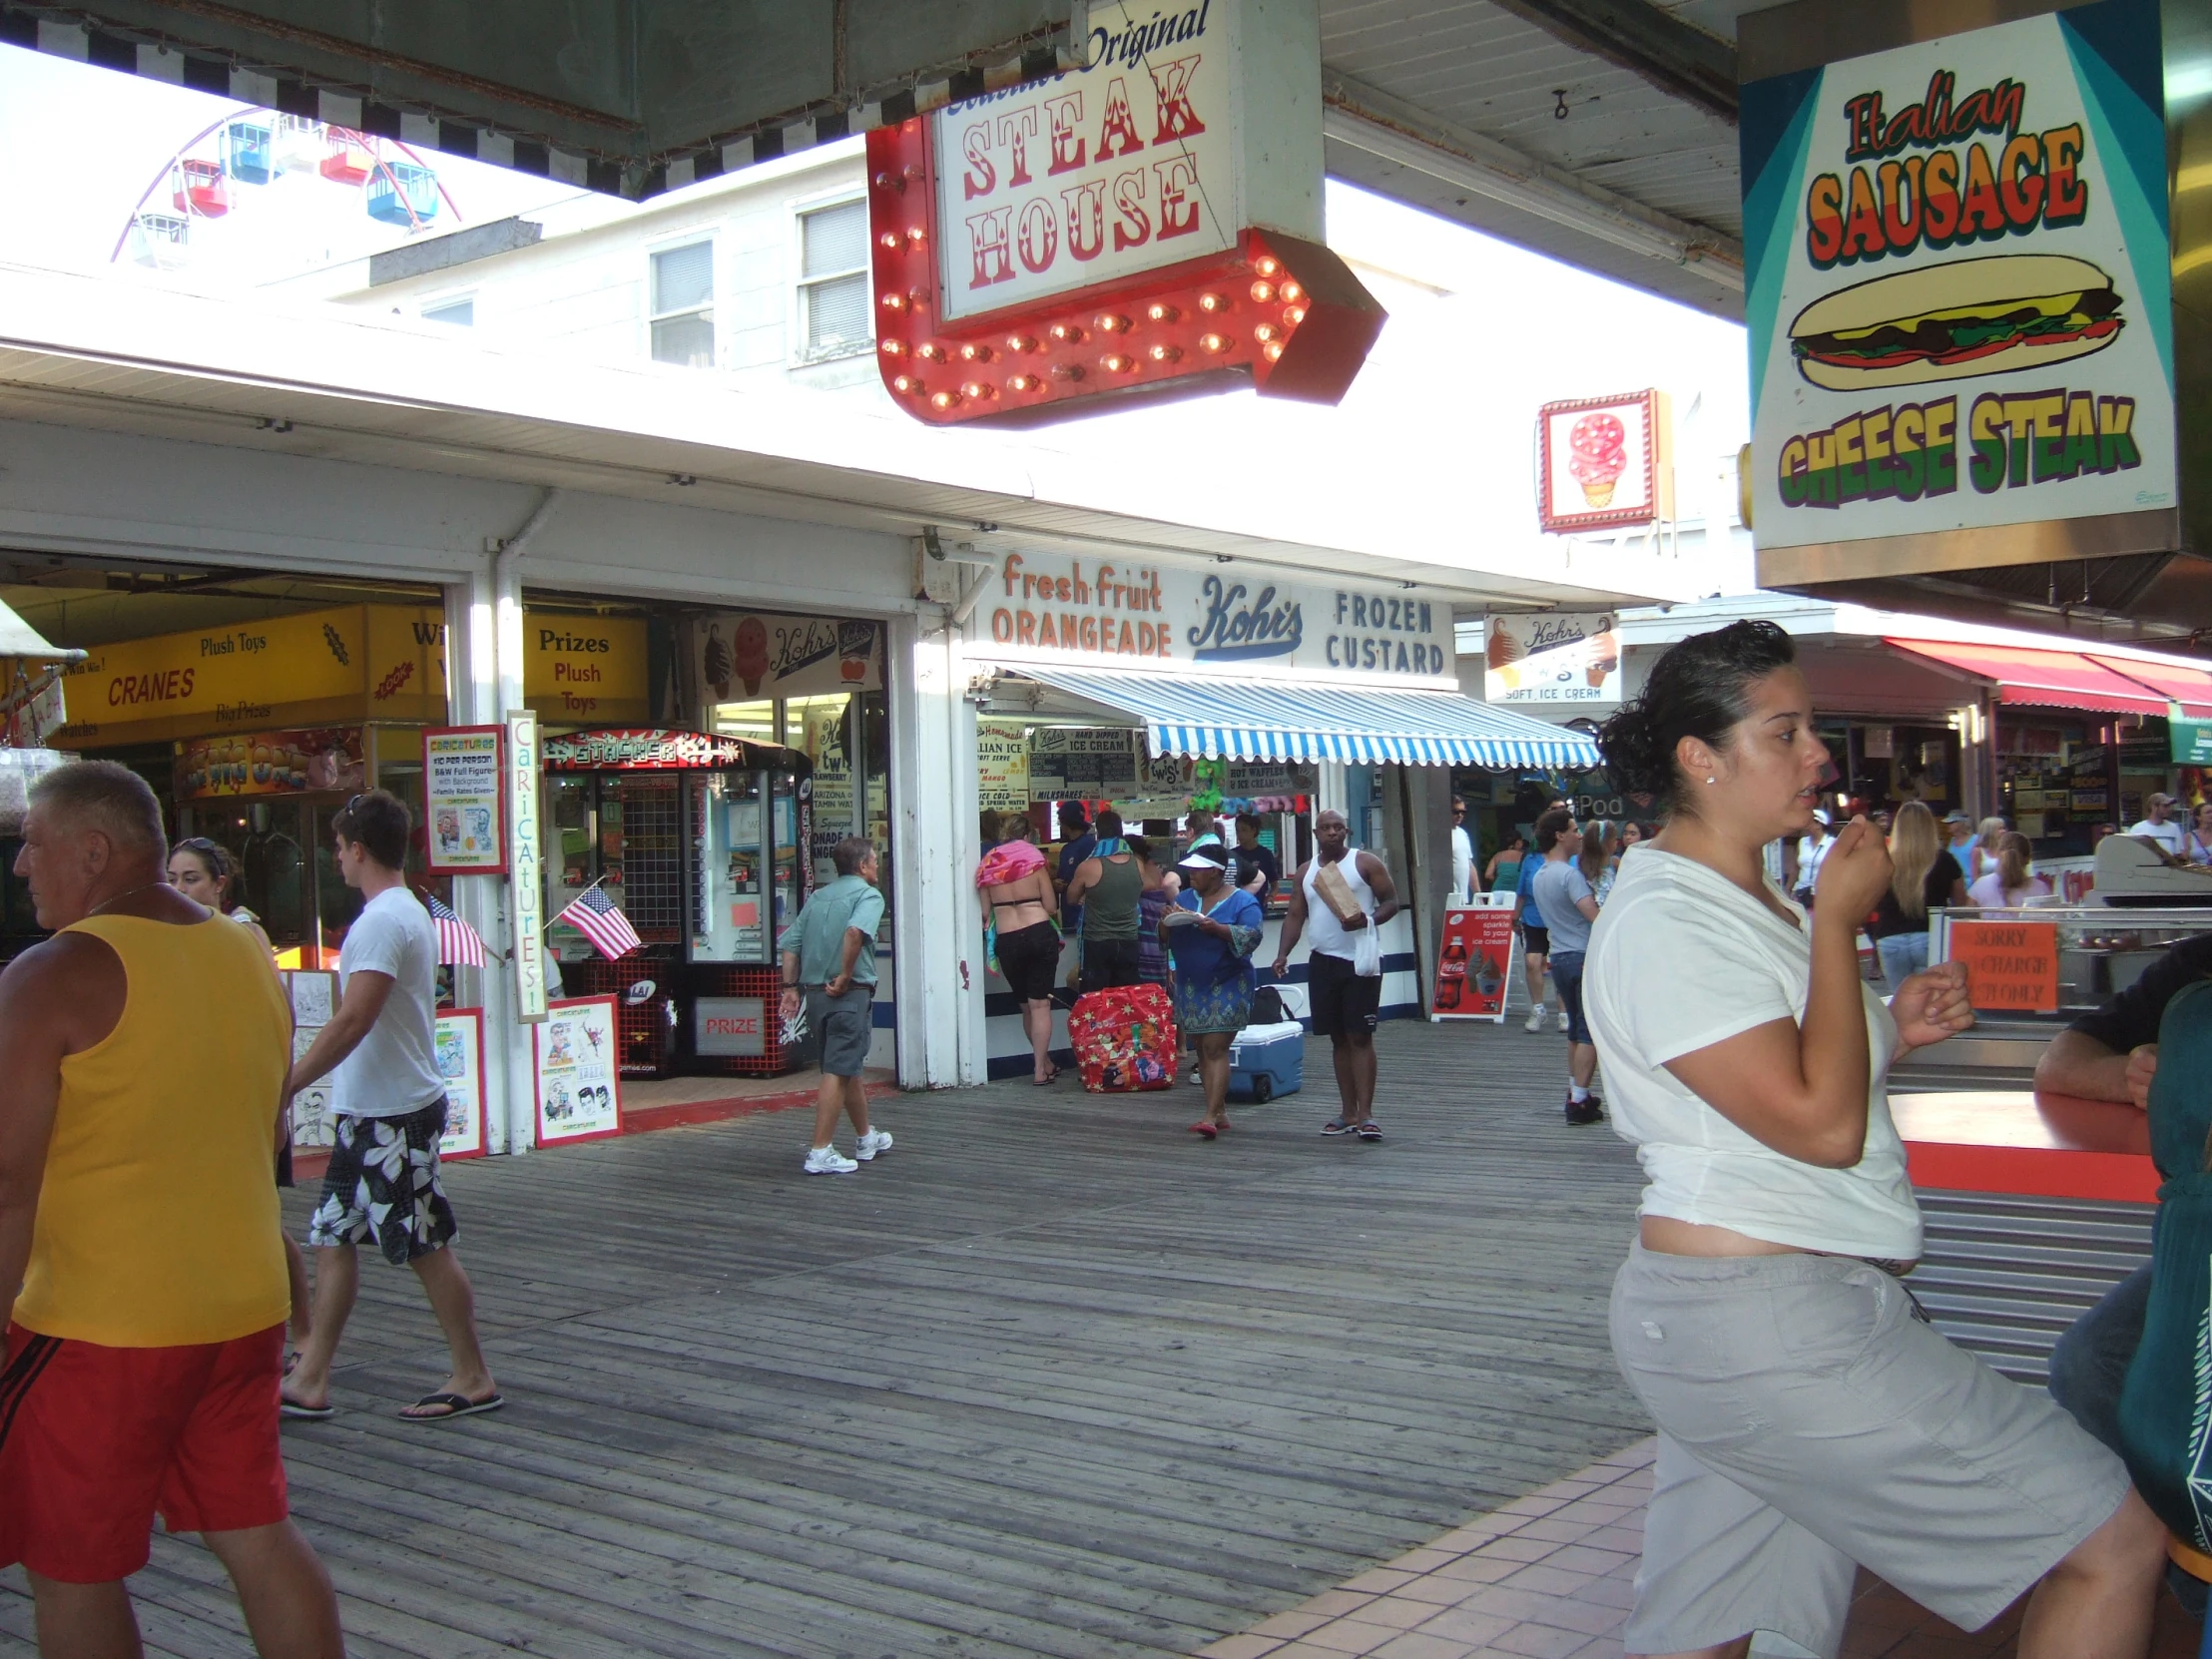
(1145, 227)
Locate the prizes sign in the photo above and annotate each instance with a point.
(1958, 289)
(1149, 222)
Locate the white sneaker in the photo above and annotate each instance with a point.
(869, 1144)
(1535, 1020)
(828, 1159)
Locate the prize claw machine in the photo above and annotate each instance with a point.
(699, 840)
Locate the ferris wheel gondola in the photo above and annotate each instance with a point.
(231, 161)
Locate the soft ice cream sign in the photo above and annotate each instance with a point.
(1552, 658)
(1602, 462)
(748, 655)
(1959, 286)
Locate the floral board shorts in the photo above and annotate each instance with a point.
(382, 1182)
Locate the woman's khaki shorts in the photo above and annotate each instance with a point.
(1810, 1421)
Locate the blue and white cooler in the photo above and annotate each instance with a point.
(1267, 1061)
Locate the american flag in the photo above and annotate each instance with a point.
(458, 943)
(600, 920)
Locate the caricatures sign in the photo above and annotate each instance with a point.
(463, 779)
(314, 995)
(1552, 658)
(1603, 462)
(578, 1083)
(460, 1059)
(1958, 283)
(1475, 962)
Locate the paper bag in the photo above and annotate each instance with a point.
(1336, 892)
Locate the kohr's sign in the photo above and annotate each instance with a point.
(1153, 616)
(1149, 222)
(1959, 286)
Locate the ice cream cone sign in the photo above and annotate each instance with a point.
(1604, 462)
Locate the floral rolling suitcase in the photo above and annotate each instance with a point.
(1124, 1040)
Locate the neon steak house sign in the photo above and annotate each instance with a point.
(1098, 231)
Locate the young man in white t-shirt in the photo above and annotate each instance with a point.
(2160, 824)
(389, 1104)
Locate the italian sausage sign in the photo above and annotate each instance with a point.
(1958, 284)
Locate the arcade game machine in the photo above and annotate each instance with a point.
(699, 839)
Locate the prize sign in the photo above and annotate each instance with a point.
(1959, 291)
(1150, 223)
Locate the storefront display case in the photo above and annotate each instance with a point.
(697, 837)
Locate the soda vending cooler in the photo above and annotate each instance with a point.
(700, 839)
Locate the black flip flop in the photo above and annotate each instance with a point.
(286, 1407)
(457, 1405)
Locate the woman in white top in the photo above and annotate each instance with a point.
(1982, 855)
(1810, 1418)
(2010, 884)
(2196, 847)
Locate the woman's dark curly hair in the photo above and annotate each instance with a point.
(1696, 689)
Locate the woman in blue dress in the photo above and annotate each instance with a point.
(1211, 933)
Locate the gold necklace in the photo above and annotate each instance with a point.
(125, 894)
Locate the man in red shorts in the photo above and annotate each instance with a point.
(145, 1047)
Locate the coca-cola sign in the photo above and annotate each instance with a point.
(1148, 225)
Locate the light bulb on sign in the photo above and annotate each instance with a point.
(1268, 265)
(1264, 332)
(1022, 383)
(1291, 293)
(1021, 343)
(893, 348)
(1164, 314)
(1115, 364)
(977, 391)
(1068, 333)
(1211, 304)
(944, 400)
(1164, 353)
(1273, 350)
(1292, 315)
(1263, 291)
(1215, 343)
(906, 384)
(889, 239)
(930, 352)
(895, 301)
(1111, 323)
(975, 352)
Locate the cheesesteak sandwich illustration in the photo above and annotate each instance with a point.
(1953, 322)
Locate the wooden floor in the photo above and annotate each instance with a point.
(1051, 1377)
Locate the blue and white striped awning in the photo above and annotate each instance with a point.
(1252, 721)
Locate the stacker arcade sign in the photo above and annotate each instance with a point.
(1150, 224)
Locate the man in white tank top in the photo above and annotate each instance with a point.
(1345, 1003)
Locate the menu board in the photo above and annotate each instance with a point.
(1002, 767)
(462, 768)
(461, 1060)
(578, 1086)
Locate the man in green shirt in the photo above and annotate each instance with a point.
(828, 951)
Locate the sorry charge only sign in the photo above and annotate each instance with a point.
(2011, 967)
(1959, 293)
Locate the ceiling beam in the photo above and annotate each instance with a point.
(1678, 58)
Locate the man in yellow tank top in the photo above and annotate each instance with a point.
(146, 1047)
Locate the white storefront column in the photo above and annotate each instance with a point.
(480, 901)
(938, 945)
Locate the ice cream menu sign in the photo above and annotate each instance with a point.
(1552, 658)
(1957, 284)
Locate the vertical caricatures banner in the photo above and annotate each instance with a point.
(1958, 284)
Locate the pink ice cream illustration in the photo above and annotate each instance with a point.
(749, 644)
(1598, 446)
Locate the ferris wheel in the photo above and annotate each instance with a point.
(251, 156)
